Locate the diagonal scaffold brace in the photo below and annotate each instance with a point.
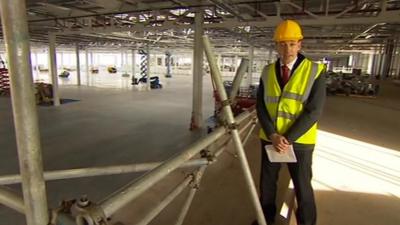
(232, 126)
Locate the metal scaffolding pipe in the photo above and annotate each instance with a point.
(131, 191)
(16, 36)
(166, 201)
(99, 171)
(215, 73)
(246, 138)
(244, 64)
(12, 200)
(78, 65)
(219, 151)
(189, 200)
(53, 68)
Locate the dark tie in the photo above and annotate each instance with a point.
(285, 74)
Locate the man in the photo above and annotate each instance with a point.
(289, 103)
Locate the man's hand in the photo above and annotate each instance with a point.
(280, 143)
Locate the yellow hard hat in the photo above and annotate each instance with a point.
(288, 30)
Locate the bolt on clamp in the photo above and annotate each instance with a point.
(81, 211)
(206, 154)
(226, 102)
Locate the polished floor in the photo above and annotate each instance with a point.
(356, 163)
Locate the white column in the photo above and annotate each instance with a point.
(393, 61)
(380, 63)
(397, 75)
(197, 103)
(36, 65)
(376, 63)
(355, 60)
(148, 68)
(251, 62)
(122, 59)
(235, 63)
(87, 65)
(133, 62)
(53, 68)
(219, 62)
(126, 61)
(91, 58)
(115, 59)
(61, 60)
(78, 65)
(370, 63)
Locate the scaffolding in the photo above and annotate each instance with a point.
(82, 211)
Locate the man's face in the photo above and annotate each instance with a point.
(288, 50)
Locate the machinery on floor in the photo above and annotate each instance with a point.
(350, 84)
(112, 69)
(64, 74)
(154, 81)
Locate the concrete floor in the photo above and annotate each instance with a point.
(356, 164)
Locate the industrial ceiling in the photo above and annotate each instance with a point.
(333, 26)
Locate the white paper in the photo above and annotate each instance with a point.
(275, 156)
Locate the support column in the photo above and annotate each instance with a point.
(16, 37)
(355, 60)
(168, 64)
(197, 103)
(126, 59)
(370, 63)
(388, 58)
(133, 63)
(148, 67)
(61, 60)
(87, 65)
(397, 75)
(378, 56)
(36, 65)
(393, 59)
(122, 59)
(53, 68)
(235, 63)
(115, 59)
(78, 65)
(251, 62)
(219, 62)
(377, 62)
(91, 59)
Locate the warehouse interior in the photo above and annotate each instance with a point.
(77, 104)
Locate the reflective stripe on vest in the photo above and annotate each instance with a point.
(284, 106)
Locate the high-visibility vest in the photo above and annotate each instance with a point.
(284, 106)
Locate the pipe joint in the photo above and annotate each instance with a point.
(80, 212)
(226, 102)
(231, 126)
(206, 154)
